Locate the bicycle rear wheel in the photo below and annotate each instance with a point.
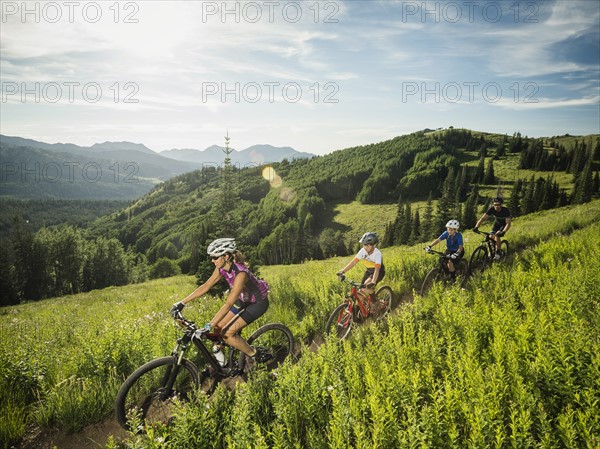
(383, 303)
(479, 260)
(273, 339)
(433, 276)
(148, 393)
(340, 321)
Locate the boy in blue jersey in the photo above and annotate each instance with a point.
(454, 245)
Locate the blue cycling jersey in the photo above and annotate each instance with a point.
(452, 242)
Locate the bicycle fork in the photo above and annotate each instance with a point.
(170, 375)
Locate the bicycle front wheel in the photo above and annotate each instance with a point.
(383, 303)
(462, 273)
(479, 260)
(148, 393)
(340, 321)
(433, 276)
(504, 249)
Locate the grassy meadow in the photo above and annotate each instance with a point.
(513, 361)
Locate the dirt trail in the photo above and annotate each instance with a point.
(93, 436)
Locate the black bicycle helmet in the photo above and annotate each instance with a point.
(369, 238)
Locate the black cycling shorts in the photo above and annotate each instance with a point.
(251, 312)
(497, 227)
(460, 254)
(369, 273)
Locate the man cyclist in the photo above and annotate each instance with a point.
(502, 222)
(454, 246)
(372, 259)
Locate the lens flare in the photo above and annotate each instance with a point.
(271, 175)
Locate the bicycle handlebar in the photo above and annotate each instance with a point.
(352, 283)
(183, 322)
(433, 252)
(477, 231)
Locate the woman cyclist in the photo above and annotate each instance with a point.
(454, 246)
(373, 260)
(502, 223)
(247, 293)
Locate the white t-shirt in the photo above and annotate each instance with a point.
(370, 260)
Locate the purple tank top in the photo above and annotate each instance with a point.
(254, 290)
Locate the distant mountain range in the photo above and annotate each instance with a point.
(256, 154)
(109, 170)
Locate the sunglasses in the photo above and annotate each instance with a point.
(497, 204)
(214, 257)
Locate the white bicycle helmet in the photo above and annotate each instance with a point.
(369, 238)
(221, 246)
(454, 224)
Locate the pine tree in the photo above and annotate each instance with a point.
(447, 201)
(462, 186)
(515, 198)
(501, 149)
(415, 233)
(427, 226)
(489, 177)
(406, 227)
(470, 217)
(479, 172)
(563, 198)
(227, 227)
(584, 186)
(596, 152)
(528, 204)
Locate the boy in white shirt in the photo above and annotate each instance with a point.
(372, 259)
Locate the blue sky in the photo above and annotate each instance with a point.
(316, 76)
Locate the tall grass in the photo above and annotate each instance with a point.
(511, 362)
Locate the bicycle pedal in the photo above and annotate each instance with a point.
(235, 372)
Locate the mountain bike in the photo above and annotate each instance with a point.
(149, 392)
(484, 255)
(356, 307)
(441, 273)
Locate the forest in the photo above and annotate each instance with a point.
(284, 215)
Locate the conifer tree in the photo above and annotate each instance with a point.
(427, 226)
(470, 217)
(462, 184)
(480, 172)
(584, 186)
(501, 149)
(415, 233)
(563, 198)
(528, 204)
(515, 198)
(406, 227)
(227, 226)
(489, 177)
(446, 203)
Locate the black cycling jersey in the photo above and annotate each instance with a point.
(500, 216)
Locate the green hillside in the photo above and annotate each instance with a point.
(512, 361)
(312, 195)
(405, 188)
